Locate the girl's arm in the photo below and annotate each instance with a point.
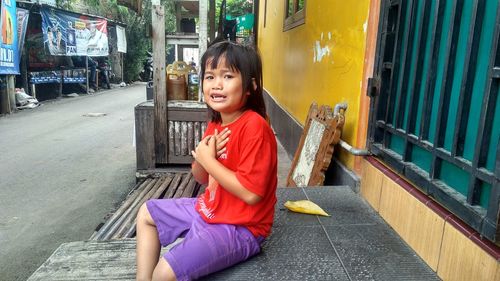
(205, 156)
(199, 173)
(221, 139)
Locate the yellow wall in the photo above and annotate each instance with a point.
(450, 253)
(296, 74)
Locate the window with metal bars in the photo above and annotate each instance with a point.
(435, 112)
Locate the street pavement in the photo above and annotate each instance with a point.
(63, 168)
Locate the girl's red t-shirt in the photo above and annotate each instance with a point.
(252, 154)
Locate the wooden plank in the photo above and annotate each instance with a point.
(182, 185)
(197, 133)
(164, 183)
(132, 214)
(120, 220)
(203, 127)
(89, 260)
(192, 115)
(177, 138)
(184, 138)
(171, 140)
(92, 260)
(173, 186)
(180, 159)
(160, 87)
(190, 137)
(144, 136)
(141, 186)
(190, 188)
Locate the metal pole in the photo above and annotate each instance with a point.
(87, 73)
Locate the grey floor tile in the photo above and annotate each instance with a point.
(344, 206)
(293, 253)
(376, 252)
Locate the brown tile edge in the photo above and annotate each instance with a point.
(488, 246)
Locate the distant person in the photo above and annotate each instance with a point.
(79, 61)
(192, 63)
(93, 73)
(237, 159)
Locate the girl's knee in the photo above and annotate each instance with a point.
(163, 271)
(143, 215)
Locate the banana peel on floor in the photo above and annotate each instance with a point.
(305, 207)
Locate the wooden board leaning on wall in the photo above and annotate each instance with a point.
(321, 132)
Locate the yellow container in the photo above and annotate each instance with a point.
(176, 87)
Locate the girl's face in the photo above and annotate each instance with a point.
(223, 90)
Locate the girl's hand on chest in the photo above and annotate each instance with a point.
(205, 150)
(211, 147)
(221, 139)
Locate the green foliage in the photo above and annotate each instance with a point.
(137, 45)
(238, 7)
(234, 8)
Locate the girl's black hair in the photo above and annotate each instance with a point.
(245, 60)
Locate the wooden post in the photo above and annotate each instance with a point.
(59, 94)
(159, 84)
(203, 24)
(203, 36)
(11, 92)
(121, 62)
(178, 17)
(4, 96)
(211, 20)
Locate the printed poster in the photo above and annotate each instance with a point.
(9, 52)
(22, 24)
(121, 39)
(70, 34)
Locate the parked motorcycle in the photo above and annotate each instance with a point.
(146, 74)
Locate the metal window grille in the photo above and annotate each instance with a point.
(435, 112)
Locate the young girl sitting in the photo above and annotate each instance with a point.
(237, 159)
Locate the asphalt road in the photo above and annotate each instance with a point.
(62, 172)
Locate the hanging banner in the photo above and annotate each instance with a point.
(9, 53)
(121, 39)
(47, 2)
(22, 24)
(70, 34)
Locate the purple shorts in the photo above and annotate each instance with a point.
(206, 248)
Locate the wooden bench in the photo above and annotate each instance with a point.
(121, 224)
(62, 76)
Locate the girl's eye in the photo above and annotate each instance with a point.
(209, 77)
(228, 76)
